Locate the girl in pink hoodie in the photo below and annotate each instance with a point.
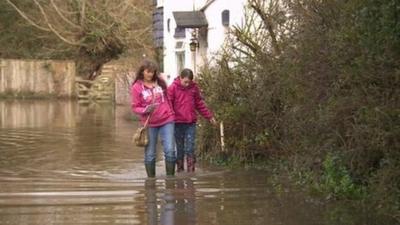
(149, 98)
(187, 101)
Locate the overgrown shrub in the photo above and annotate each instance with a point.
(318, 79)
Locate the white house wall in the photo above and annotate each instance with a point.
(216, 31)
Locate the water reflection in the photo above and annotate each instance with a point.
(151, 201)
(174, 206)
(186, 202)
(167, 215)
(18, 114)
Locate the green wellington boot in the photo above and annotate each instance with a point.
(170, 168)
(150, 169)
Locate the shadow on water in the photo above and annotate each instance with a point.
(64, 163)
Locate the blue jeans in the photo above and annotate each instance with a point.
(185, 137)
(166, 132)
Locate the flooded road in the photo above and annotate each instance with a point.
(64, 163)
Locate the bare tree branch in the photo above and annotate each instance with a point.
(257, 7)
(246, 40)
(26, 17)
(83, 12)
(58, 34)
(63, 17)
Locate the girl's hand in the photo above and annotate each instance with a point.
(213, 121)
(150, 108)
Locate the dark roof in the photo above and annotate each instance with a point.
(190, 19)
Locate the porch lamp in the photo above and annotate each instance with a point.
(193, 44)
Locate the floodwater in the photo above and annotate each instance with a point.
(65, 163)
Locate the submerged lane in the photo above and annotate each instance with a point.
(64, 163)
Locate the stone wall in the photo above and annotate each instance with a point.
(37, 77)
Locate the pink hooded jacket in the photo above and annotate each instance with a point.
(186, 101)
(142, 97)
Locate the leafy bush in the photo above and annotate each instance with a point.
(318, 79)
(336, 180)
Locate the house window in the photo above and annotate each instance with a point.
(180, 60)
(179, 46)
(179, 32)
(225, 17)
(158, 3)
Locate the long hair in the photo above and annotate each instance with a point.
(152, 67)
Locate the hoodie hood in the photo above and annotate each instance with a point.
(177, 82)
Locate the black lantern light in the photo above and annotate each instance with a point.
(193, 44)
